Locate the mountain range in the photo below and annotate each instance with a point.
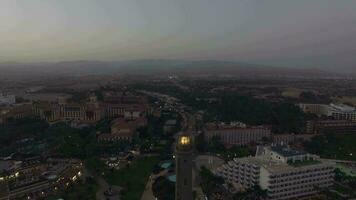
(158, 67)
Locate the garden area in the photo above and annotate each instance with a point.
(333, 146)
(133, 178)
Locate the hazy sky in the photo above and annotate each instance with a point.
(286, 32)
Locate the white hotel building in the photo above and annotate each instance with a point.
(337, 111)
(284, 173)
(6, 99)
(236, 133)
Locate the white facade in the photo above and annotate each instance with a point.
(284, 174)
(337, 111)
(318, 109)
(342, 112)
(132, 114)
(237, 135)
(6, 99)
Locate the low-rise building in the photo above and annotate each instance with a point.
(169, 125)
(289, 138)
(7, 99)
(283, 172)
(38, 179)
(335, 126)
(90, 111)
(122, 129)
(317, 109)
(336, 111)
(16, 111)
(236, 133)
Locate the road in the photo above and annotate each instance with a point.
(148, 193)
(188, 126)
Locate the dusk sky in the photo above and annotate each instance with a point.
(280, 32)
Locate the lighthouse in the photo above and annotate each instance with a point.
(184, 164)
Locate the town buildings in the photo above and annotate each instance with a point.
(123, 129)
(7, 99)
(331, 126)
(37, 179)
(283, 172)
(90, 111)
(16, 111)
(336, 111)
(236, 133)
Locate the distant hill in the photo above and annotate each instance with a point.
(154, 67)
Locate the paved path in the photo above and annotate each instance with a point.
(148, 193)
(103, 186)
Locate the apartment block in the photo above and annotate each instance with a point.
(236, 133)
(283, 172)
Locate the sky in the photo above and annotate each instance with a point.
(280, 32)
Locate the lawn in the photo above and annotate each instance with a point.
(344, 190)
(235, 152)
(348, 170)
(292, 92)
(133, 178)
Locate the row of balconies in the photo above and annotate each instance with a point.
(290, 195)
(295, 186)
(305, 181)
(303, 172)
(296, 192)
(305, 175)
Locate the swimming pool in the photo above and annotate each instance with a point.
(172, 178)
(166, 165)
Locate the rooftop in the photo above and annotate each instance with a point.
(279, 167)
(285, 151)
(342, 108)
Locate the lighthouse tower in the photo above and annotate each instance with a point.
(184, 164)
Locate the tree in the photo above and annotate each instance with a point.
(200, 143)
(210, 182)
(163, 188)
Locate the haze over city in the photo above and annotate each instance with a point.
(177, 99)
(318, 33)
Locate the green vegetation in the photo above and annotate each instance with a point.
(345, 179)
(332, 146)
(347, 169)
(163, 188)
(95, 165)
(209, 182)
(230, 106)
(251, 194)
(83, 191)
(133, 178)
(236, 152)
(216, 147)
(34, 136)
(20, 129)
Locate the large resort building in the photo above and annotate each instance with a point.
(236, 133)
(112, 106)
(336, 111)
(334, 126)
(36, 179)
(284, 173)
